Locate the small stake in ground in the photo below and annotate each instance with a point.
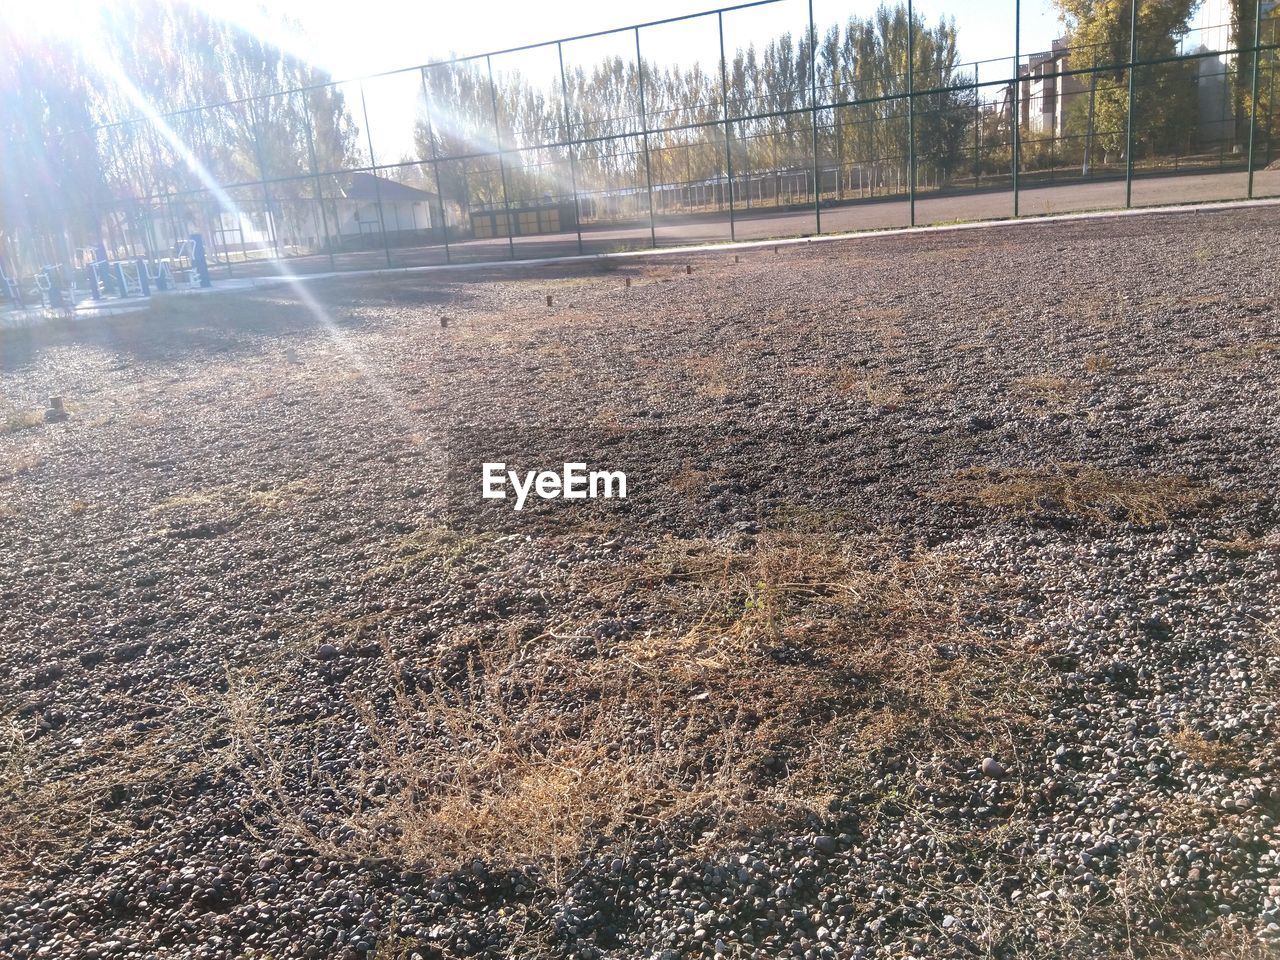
(628, 281)
(444, 321)
(735, 258)
(688, 269)
(57, 410)
(548, 299)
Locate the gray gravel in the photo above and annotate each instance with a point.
(242, 490)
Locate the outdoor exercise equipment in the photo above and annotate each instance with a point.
(12, 288)
(55, 287)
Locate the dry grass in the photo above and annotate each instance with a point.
(1213, 754)
(262, 497)
(709, 376)
(878, 390)
(1245, 543)
(58, 796)
(1238, 357)
(435, 544)
(1098, 363)
(818, 638)
(16, 463)
(12, 420)
(784, 669)
(692, 482)
(520, 762)
(1081, 491)
(1220, 941)
(267, 497)
(1112, 921)
(1046, 391)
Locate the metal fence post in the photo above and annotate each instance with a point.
(977, 129)
(215, 234)
(1128, 133)
(728, 126)
(1015, 102)
(644, 126)
(373, 164)
(1087, 168)
(315, 173)
(435, 165)
(813, 106)
(1271, 99)
(502, 164)
(911, 108)
(568, 136)
(262, 172)
(1253, 97)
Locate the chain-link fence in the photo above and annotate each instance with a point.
(772, 119)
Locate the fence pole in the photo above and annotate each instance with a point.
(910, 105)
(644, 126)
(728, 126)
(502, 164)
(262, 172)
(315, 173)
(1087, 169)
(813, 105)
(1128, 133)
(215, 234)
(977, 129)
(1271, 99)
(568, 136)
(435, 165)
(1253, 97)
(1015, 103)
(373, 165)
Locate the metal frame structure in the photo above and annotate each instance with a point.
(735, 119)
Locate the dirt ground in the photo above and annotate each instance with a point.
(939, 619)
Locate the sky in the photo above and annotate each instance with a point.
(353, 38)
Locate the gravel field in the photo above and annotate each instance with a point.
(940, 619)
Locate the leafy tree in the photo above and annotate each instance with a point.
(1164, 93)
(111, 140)
(50, 182)
(1243, 14)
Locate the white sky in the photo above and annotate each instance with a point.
(353, 38)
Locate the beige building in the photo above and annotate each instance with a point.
(1045, 97)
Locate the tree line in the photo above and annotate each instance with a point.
(766, 93)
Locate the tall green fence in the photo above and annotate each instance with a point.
(768, 119)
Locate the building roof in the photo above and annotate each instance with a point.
(366, 186)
